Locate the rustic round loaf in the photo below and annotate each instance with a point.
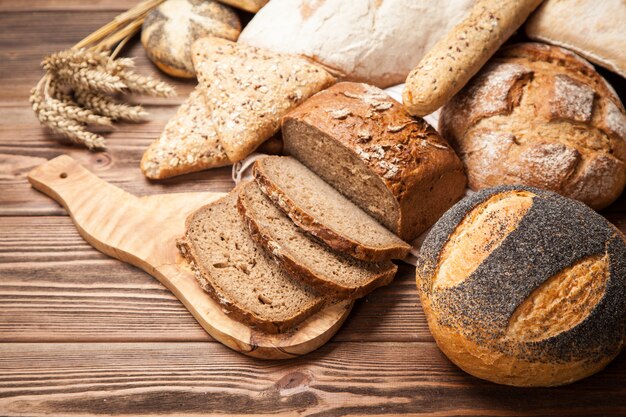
(524, 287)
(540, 115)
(169, 31)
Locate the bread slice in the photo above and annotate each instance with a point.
(237, 273)
(188, 143)
(249, 89)
(322, 211)
(304, 257)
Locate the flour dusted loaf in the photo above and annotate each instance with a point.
(525, 287)
(248, 90)
(362, 142)
(539, 115)
(593, 29)
(237, 273)
(373, 41)
(169, 31)
(303, 256)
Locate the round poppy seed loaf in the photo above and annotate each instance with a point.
(525, 287)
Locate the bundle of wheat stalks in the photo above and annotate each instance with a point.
(80, 83)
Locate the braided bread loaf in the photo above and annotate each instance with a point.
(525, 287)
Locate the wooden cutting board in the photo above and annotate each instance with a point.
(142, 231)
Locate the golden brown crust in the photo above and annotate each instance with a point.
(301, 272)
(543, 306)
(460, 54)
(483, 363)
(333, 239)
(539, 115)
(416, 165)
(248, 90)
(188, 143)
(169, 31)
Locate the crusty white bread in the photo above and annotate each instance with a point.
(524, 287)
(371, 41)
(593, 29)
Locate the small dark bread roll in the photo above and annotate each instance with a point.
(540, 115)
(169, 31)
(525, 287)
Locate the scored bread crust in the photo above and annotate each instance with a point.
(540, 115)
(184, 20)
(417, 167)
(333, 239)
(299, 271)
(230, 306)
(476, 321)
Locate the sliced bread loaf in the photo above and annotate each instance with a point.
(365, 144)
(237, 273)
(321, 210)
(304, 257)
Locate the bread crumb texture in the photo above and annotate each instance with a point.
(540, 115)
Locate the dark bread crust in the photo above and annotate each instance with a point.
(331, 238)
(230, 307)
(298, 271)
(554, 234)
(418, 168)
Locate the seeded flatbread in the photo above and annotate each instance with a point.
(188, 143)
(249, 89)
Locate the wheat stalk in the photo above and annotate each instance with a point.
(75, 92)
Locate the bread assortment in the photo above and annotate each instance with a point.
(541, 116)
(594, 30)
(524, 287)
(459, 55)
(169, 31)
(520, 285)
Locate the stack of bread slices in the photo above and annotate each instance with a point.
(323, 224)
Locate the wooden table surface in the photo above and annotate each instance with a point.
(84, 334)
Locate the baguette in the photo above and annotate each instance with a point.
(462, 52)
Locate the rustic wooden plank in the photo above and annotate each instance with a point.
(66, 5)
(29, 36)
(56, 287)
(24, 145)
(339, 379)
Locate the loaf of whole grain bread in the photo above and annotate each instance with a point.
(362, 142)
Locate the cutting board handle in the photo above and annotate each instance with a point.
(96, 206)
(69, 183)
